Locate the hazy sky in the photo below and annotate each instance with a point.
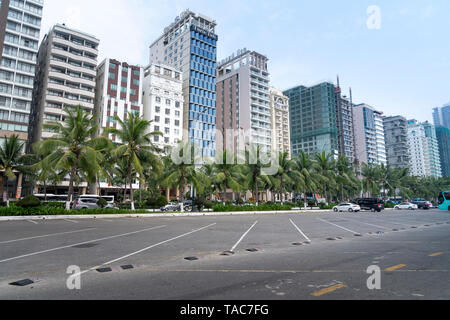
(401, 68)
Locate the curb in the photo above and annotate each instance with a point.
(150, 215)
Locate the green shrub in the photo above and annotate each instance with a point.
(29, 202)
(161, 202)
(263, 207)
(102, 203)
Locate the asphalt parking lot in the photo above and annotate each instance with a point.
(251, 257)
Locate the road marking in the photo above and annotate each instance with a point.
(299, 230)
(47, 235)
(328, 290)
(354, 232)
(78, 244)
(436, 254)
(369, 224)
(146, 249)
(242, 238)
(399, 266)
(70, 220)
(32, 221)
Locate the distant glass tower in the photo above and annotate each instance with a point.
(441, 116)
(443, 138)
(190, 45)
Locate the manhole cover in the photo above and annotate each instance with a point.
(86, 246)
(127, 267)
(297, 244)
(22, 283)
(395, 230)
(358, 235)
(331, 239)
(227, 253)
(307, 242)
(413, 227)
(104, 270)
(252, 250)
(191, 258)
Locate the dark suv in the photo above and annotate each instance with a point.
(372, 204)
(424, 205)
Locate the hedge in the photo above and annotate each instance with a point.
(263, 207)
(54, 211)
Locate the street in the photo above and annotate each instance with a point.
(250, 257)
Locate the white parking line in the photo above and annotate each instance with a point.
(299, 230)
(70, 221)
(242, 238)
(146, 249)
(354, 232)
(78, 244)
(32, 221)
(47, 235)
(369, 224)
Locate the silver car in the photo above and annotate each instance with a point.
(90, 203)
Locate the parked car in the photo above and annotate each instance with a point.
(176, 207)
(347, 207)
(425, 205)
(406, 206)
(372, 204)
(84, 203)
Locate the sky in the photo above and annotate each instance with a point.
(395, 56)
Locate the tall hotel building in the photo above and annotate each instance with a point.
(370, 145)
(190, 45)
(66, 74)
(344, 117)
(313, 118)
(163, 104)
(397, 147)
(424, 150)
(20, 24)
(118, 92)
(281, 129)
(243, 102)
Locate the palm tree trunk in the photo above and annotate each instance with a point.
(131, 192)
(72, 178)
(7, 191)
(305, 198)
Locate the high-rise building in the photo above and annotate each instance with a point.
(397, 147)
(313, 119)
(370, 146)
(118, 92)
(443, 138)
(344, 117)
(243, 102)
(163, 104)
(190, 45)
(66, 74)
(424, 150)
(441, 116)
(281, 129)
(20, 25)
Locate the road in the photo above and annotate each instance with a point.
(307, 256)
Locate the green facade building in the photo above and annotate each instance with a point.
(443, 138)
(313, 119)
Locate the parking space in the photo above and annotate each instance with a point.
(312, 255)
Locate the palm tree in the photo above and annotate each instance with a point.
(371, 179)
(227, 175)
(253, 171)
(74, 147)
(285, 177)
(137, 148)
(344, 175)
(184, 172)
(306, 177)
(11, 159)
(326, 172)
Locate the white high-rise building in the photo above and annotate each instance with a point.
(281, 129)
(20, 25)
(370, 144)
(163, 104)
(66, 75)
(424, 151)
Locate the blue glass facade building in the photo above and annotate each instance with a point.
(202, 90)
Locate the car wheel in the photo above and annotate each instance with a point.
(411, 208)
(373, 210)
(350, 210)
(335, 210)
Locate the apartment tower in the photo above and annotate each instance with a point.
(189, 44)
(397, 147)
(281, 129)
(20, 24)
(65, 77)
(243, 102)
